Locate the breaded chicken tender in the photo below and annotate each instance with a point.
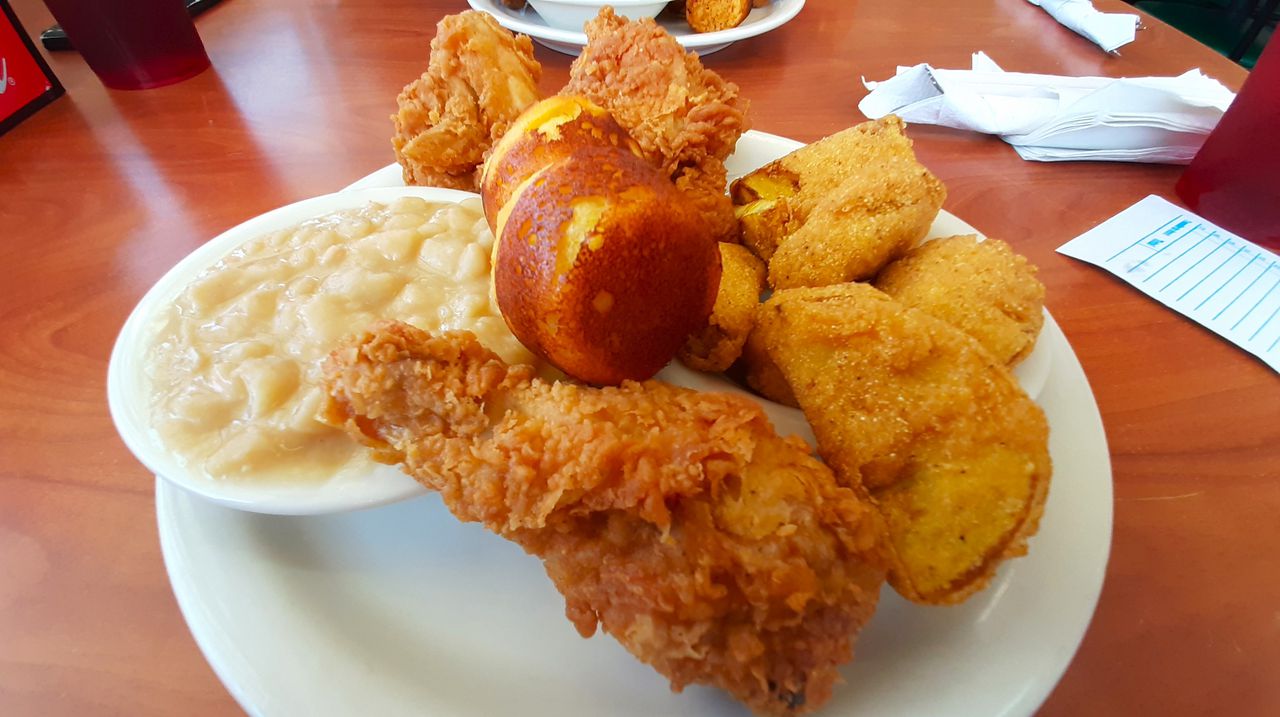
(980, 287)
(679, 521)
(686, 118)
(918, 416)
(479, 79)
(839, 209)
(719, 343)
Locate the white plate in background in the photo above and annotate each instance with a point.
(527, 21)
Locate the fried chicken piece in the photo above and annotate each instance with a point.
(980, 287)
(479, 79)
(711, 548)
(920, 417)
(717, 345)
(704, 186)
(686, 118)
(839, 209)
(677, 110)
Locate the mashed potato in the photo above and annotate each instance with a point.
(234, 362)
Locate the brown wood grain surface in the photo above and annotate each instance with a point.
(103, 191)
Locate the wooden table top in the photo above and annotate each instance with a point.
(103, 191)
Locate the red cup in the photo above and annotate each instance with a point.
(1234, 180)
(133, 44)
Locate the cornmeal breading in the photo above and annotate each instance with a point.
(719, 344)
(919, 417)
(981, 287)
(757, 369)
(839, 209)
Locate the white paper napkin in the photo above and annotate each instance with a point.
(1108, 30)
(1056, 118)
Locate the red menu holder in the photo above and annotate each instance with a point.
(1234, 180)
(26, 82)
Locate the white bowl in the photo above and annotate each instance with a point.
(128, 390)
(573, 14)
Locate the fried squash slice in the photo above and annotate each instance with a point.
(839, 209)
(925, 422)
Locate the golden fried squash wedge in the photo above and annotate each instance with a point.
(839, 209)
(717, 345)
(757, 369)
(980, 287)
(918, 415)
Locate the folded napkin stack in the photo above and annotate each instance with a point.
(1108, 30)
(1055, 118)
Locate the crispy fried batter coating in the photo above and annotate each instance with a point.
(980, 287)
(686, 118)
(704, 187)
(755, 366)
(839, 209)
(479, 79)
(719, 343)
(679, 521)
(940, 436)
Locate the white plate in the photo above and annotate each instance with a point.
(402, 610)
(527, 21)
(128, 395)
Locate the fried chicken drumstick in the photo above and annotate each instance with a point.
(678, 521)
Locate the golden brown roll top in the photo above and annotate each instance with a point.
(602, 268)
(547, 132)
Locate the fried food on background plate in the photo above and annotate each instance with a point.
(839, 209)
(479, 79)
(686, 118)
(918, 416)
(713, 15)
(981, 287)
(712, 549)
(717, 345)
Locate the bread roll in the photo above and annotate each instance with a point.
(546, 132)
(601, 266)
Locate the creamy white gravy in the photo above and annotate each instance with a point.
(235, 361)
